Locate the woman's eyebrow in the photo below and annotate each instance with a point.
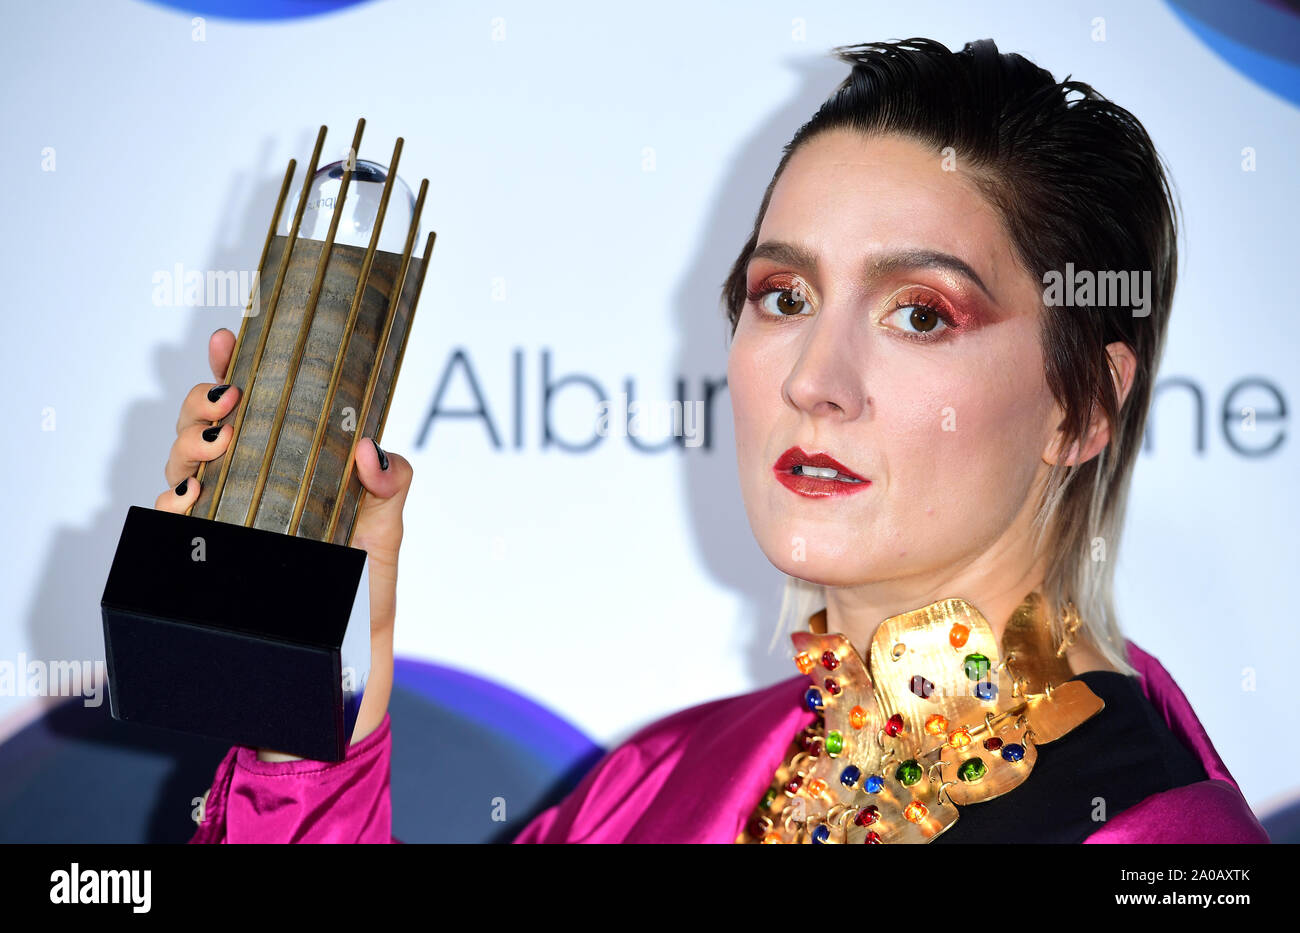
(792, 254)
(926, 259)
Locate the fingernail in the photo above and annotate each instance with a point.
(212, 433)
(216, 392)
(184, 485)
(383, 457)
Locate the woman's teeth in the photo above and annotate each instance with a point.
(822, 473)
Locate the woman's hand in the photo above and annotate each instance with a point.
(378, 528)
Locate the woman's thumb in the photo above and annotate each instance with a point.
(385, 476)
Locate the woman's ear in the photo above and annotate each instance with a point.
(1123, 367)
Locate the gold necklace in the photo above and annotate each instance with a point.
(943, 716)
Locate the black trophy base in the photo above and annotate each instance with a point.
(234, 633)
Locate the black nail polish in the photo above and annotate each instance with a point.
(216, 392)
(184, 485)
(212, 433)
(383, 457)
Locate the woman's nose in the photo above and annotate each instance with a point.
(828, 376)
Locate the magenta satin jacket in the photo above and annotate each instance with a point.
(694, 776)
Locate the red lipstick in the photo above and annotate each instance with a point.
(806, 474)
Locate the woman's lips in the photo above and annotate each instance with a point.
(806, 474)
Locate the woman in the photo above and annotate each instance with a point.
(931, 441)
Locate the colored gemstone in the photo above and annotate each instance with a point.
(832, 687)
(821, 834)
(993, 743)
(792, 786)
(857, 717)
(976, 666)
(957, 635)
(908, 773)
(871, 839)
(813, 698)
(768, 798)
(834, 743)
(772, 839)
(915, 811)
(875, 784)
(936, 725)
(986, 690)
(867, 815)
(960, 738)
(922, 687)
(1013, 752)
(972, 769)
(849, 776)
(803, 661)
(895, 724)
(829, 661)
(815, 747)
(759, 827)
(816, 787)
(807, 739)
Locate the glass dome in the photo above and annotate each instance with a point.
(360, 208)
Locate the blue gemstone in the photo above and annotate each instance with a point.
(849, 776)
(821, 834)
(986, 690)
(875, 784)
(1013, 752)
(813, 698)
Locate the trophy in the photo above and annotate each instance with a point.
(248, 618)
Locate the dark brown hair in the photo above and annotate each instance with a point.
(1076, 179)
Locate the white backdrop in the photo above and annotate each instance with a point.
(593, 171)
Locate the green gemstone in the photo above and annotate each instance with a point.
(972, 769)
(767, 799)
(976, 666)
(834, 743)
(908, 773)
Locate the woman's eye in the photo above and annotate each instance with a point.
(917, 319)
(788, 302)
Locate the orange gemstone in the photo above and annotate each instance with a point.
(936, 725)
(771, 838)
(857, 717)
(803, 661)
(816, 787)
(959, 739)
(957, 635)
(914, 812)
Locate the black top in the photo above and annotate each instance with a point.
(1119, 757)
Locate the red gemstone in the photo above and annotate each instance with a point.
(832, 687)
(867, 815)
(895, 724)
(922, 687)
(871, 839)
(815, 747)
(829, 661)
(792, 786)
(993, 744)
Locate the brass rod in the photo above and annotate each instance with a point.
(243, 324)
(363, 279)
(394, 303)
(304, 328)
(270, 319)
(401, 350)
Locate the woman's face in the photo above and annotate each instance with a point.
(890, 327)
